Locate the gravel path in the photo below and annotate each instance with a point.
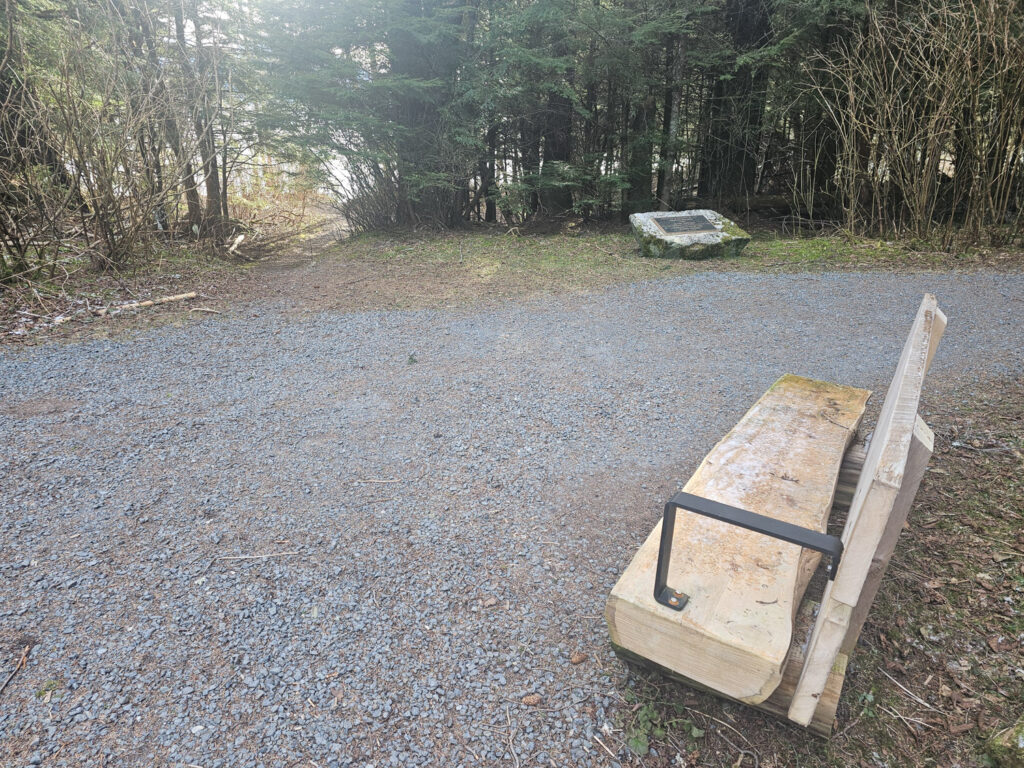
(449, 496)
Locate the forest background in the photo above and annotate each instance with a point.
(130, 127)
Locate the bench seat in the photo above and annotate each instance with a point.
(781, 460)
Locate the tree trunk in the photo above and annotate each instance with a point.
(202, 122)
(640, 157)
(529, 151)
(172, 132)
(556, 195)
(736, 108)
(487, 177)
(429, 190)
(669, 125)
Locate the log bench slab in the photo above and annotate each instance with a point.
(782, 460)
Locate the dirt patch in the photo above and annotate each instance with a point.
(440, 271)
(37, 406)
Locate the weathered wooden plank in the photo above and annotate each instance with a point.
(921, 448)
(782, 459)
(778, 703)
(873, 501)
(849, 473)
(938, 328)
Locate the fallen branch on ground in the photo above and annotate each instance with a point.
(22, 662)
(913, 696)
(512, 737)
(610, 753)
(141, 304)
(256, 557)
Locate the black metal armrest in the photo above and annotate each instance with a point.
(777, 529)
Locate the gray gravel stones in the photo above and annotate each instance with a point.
(456, 522)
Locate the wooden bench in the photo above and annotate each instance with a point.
(728, 612)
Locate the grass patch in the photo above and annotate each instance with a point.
(948, 625)
(669, 723)
(823, 252)
(50, 689)
(586, 258)
(492, 256)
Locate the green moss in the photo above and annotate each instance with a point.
(50, 687)
(1006, 748)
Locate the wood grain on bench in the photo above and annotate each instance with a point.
(782, 459)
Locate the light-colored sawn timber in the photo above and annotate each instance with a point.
(782, 460)
(778, 703)
(896, 460)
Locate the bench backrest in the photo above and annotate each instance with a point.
(885, 468)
